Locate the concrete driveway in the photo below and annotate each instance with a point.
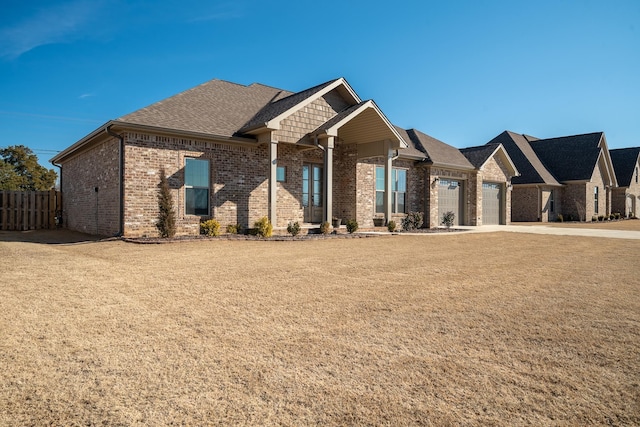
(542, 229)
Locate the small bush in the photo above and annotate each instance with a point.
(293, 228)
(166, 217)
(412, 221)
(391, 226)
(600, 217)
(611, 217)
(594, 218)
(448, 218)
(234, 228)
(210, 227)
(560, 218)
(617, 215)
(325, 227)
(352, 226)
(263, 227)
(569, 217)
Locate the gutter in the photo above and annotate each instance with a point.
(108, 130)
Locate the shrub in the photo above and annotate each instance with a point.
(352, 226)
(600, 217)
(617, 215)
(293, 228)
(166, 217)
(412, 221)
(391, 226)
(560, 218)
(594, 218)
(325, 227)
(611, 217)
(263, 227)
(569, 217)
(448, 218)
(210, 227)
(234, 228)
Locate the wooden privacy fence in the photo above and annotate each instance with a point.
(29, 210)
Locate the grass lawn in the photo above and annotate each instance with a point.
(627, 224)
(475, 329)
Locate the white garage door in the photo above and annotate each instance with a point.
(491, 203)
(449, 199)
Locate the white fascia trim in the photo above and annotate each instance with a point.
(274, 124)
(501, 148)
(333, 130)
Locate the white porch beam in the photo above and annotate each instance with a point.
(328, 179)
(273, 181)
(388, 168)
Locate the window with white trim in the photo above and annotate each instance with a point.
(398, 190)
(196, 183)
(595, 199)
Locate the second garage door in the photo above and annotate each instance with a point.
(449, 199)
(491, 203)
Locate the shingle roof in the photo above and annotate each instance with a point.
(570, 158)
(436, 151)
(281, 105)
(526, 161)
(411, 150)
(479, 155)
(216, 107)
(624, 162)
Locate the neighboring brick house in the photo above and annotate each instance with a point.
(625, 197)
(571, 175)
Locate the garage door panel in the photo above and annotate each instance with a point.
(449, 198)
(491, 203)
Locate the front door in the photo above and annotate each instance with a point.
(312, 192)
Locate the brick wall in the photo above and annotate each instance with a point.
(85, 209)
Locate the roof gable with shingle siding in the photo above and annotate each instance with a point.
(570, 158)
(625, 161)
(216, 107)
(310, 117)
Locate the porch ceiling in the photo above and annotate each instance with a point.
(363, 124)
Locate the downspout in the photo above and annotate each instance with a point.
(107, 129)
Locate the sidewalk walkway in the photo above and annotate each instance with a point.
(542, 229)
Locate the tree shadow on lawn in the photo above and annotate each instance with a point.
(49, 237)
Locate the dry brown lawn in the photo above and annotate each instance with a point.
(468, 329)
(627, 224)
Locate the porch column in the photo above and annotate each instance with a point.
(388, 168)
(273, 181)
(328, 180)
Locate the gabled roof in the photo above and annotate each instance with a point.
(479, 156)
(524, 158)
(571, 158)
(625, 161)
(437, 152)
(281, 106)
(216, 107)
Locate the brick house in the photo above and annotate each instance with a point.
(571, 175)
(239, 153)
(625, 197)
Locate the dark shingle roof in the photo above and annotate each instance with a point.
(479, 155)
(531, 169)
(436, 151)
(570, 158)
(411, 150)
(216, 107)
(278, 107)
(624, 162)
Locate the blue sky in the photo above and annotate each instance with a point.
(461, 71)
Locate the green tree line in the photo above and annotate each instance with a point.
(20, 170)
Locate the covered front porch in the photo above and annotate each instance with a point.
(325, 168)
